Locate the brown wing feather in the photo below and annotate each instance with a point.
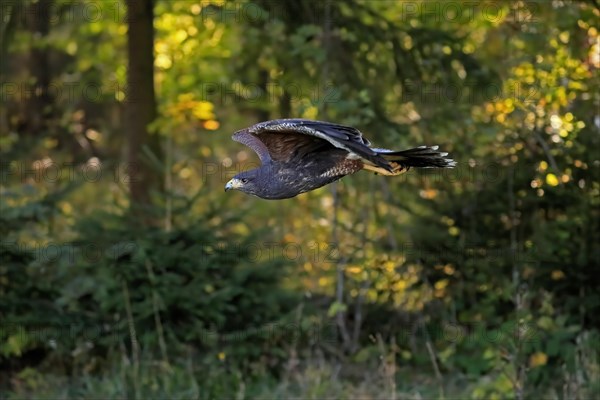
(284, 139)
(285, 145)
(340, 136)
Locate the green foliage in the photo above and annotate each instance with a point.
(116, 275)
(25, 285)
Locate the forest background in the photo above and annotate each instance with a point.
(126, 271)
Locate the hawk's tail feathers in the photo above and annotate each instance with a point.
(419, 157)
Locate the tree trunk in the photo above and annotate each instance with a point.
(141, 101)
(38, 106)
(262, 112)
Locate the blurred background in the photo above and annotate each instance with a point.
(126, 271)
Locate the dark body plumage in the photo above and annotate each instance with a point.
(284, 179)
(300, 155)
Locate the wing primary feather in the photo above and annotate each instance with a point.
(340, 136)
(250, 140)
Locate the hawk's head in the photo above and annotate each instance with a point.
(262, 182)
(247, 182)
(250, 182)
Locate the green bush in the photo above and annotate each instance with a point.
(197, 287)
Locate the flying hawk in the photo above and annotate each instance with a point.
(299, 155)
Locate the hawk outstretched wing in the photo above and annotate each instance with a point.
(284, 139)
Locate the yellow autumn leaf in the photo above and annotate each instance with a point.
(203, 110)
(163, 61)
(389, 265)
(428, 193)
(289, 237)
(185, 173)
(205, 151)
(454, 231)
(353, 269)
(557, 275)
(66, 208)
(538, 359)
(180, 36)
(449, 269)
(441, 284)
(563, 133)
(551, 180)
(325, 281)
(310, 112)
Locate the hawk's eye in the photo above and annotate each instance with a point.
(244, 180)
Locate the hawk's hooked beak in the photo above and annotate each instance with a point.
(233, 184)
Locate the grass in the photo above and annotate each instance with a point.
(309, 376)
(316, 379)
